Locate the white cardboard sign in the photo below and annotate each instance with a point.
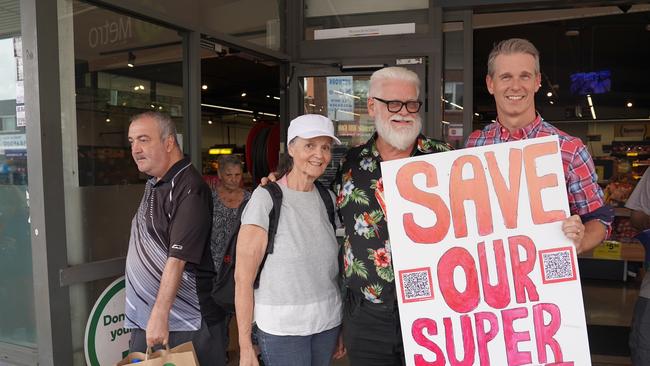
(484, 273)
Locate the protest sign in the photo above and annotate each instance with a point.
(483, 271)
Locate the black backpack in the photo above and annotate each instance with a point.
(223, 286)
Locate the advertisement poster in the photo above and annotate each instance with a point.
(484, 273)
(340, 98)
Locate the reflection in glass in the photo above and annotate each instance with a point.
(452, 99)
(113, 67)
(17, 324)
(344, 100)
(325, 19)
(255, 21)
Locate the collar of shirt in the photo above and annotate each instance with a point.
(171, 172)
(520, 133)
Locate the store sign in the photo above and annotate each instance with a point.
(340, 98)
(106, 339)
(484, 273)
(13, 142)
(365, 31)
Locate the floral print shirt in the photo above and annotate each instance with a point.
(368, 269)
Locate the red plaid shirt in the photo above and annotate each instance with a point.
(585, 195)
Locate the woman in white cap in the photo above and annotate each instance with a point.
(297, 306)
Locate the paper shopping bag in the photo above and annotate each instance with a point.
(182, 355)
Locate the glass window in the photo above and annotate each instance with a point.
(123, 66)
(344, 19)
(452, 118)
(17, 324)
(113, 66)
(344, 100)
(255, 21)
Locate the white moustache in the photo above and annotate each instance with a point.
(397, 117)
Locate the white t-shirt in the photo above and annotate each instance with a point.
(298, 292)
(640, 200)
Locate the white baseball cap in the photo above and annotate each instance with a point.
(311, 125)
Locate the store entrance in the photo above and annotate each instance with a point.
(240, 110)
(594, 87)
(340, 92)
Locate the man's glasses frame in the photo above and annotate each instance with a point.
(394, 106)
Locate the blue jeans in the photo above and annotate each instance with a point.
(311, 350)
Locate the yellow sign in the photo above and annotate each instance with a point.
(608, 250)
(221, 151)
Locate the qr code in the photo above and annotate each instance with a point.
(557, 265)
(416, 284)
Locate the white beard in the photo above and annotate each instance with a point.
(401, 137)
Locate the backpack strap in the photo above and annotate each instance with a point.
(327, 200)
(274, 217)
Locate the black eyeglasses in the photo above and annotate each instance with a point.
(394, 106)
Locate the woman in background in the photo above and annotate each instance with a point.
(226, 200)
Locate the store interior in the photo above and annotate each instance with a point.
(594, 63)
(594, 86)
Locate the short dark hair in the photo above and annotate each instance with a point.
(165, 123)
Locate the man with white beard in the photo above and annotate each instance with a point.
(371, 328)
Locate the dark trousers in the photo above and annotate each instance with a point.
(210, 342)
(640, 333)
(372, 333)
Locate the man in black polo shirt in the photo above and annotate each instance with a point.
(168, 266)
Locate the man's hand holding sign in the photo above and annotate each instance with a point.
(485, 257)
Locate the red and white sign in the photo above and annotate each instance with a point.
(484, 273)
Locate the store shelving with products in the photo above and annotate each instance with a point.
(618, 174)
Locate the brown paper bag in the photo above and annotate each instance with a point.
(182, 355)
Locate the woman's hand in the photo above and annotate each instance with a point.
(248, 357)
(339, 351)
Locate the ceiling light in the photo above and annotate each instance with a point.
(131, 60)
(153, 106)
(268, 96)
(254, 119)
(629, 104)
(108, 119)
(278, 98)
(204, 87)
(549, 94)
(141, 87)
(243, 94)
(160, 107)
(210, 121)
(552, 102)
(591, 106)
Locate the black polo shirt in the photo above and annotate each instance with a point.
(174, 220)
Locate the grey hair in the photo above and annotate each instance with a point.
(512, 46)
(286, 161)
(233, 160)
(392, 73)
(164, 121)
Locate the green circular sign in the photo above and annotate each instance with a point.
(106, 340)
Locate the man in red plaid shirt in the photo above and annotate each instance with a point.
(513, 79)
